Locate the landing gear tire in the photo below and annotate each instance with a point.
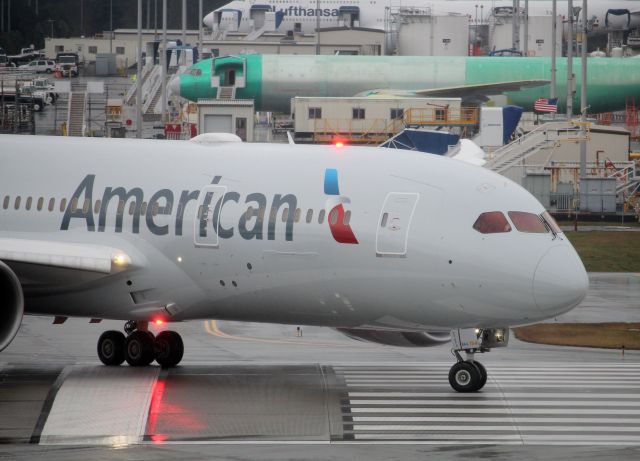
(465, 377)
(111, 348)
(483, 374)
(138, 348)
(169, 349)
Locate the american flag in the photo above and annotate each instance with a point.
(546, 105)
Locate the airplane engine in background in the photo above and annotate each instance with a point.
(399, 338)
(11, 305)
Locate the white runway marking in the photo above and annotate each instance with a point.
(568, 405)
(101, 405)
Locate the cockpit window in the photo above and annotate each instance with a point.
(528, 222)
(195, 72)
(492, 222)
(551, 223)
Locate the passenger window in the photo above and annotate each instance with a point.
(309, 215)
(87, 206)
(527, 222)
(321, 217)
(120, 207)
(333, 216)
(16, 205)
(385, 218)
(347, 217)
(492, 222)
(97, 206)
(296, 217)
(132, 206)
(7, 199)
(156, 208)
(63, 204)
(74, 203)
(143, 208)
(249, 213)
(40, 203)
(52, 203)
(29, 202)
(285, 214)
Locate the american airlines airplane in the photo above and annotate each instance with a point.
(305, 15)
(391, 246)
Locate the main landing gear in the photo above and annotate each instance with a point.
(469, 375)
(140, 347)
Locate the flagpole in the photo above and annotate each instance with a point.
(583, 94)
(570, 62)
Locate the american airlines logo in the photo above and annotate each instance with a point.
(340, 229)
(163, 212)
(299, 11)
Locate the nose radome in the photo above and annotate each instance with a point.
(560, 281)
(174, 85)
(208, 20)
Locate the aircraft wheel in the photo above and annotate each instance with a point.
(483, 374)
(138, 348)
(169, 349)
(111, 348)
(464, 377)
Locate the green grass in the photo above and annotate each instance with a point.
(603, 251)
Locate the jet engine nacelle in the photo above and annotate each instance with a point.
(11, 305)
(399, 338)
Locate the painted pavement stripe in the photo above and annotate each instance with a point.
(101, 405)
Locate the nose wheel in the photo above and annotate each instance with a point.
(467, 376)
(140, 348)
(470, 375)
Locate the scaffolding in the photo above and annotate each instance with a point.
(631, 117)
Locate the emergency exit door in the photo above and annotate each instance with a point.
(394, 223)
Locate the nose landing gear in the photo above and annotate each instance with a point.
(139, 348)
(470, 375)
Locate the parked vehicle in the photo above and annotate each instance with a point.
(67, 64)
(38, 102)
(40, 66)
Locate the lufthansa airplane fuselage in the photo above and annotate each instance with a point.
(353, 238)
(306, 15)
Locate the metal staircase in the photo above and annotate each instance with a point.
(226, 92)
(76, 111)
(542, 137)
(256, 33)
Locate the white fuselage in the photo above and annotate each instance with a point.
(242, 15)
(247, 232)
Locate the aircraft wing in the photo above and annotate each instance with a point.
(44, 262)
(479, 92)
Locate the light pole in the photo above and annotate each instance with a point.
(51, 21)
(554, 37)
(110, 26)
(139, 75)
(200, 13)
(163, 61)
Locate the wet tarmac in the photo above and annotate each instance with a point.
(255, 391)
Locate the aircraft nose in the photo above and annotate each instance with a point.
(174, 85)
(208, 20)
(560, 281)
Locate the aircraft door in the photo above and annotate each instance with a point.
(229, 77)
(205, 231)
(258, 17)
(394, 223)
